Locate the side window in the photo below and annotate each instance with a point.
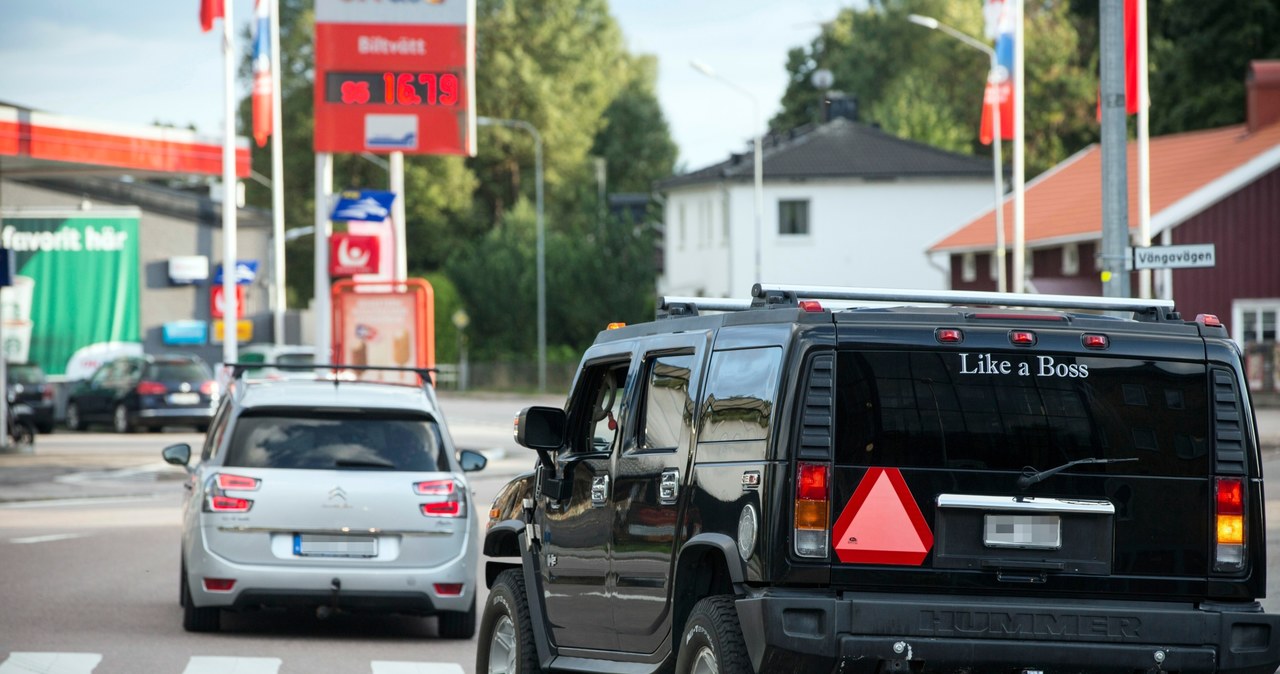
(667, 411)
(603, 390)
(100, 377)
(213, 439)
(740, 394)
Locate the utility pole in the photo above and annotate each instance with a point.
(1115, 180)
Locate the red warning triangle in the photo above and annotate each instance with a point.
(882, 523)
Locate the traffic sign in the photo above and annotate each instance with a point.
(1173, 257)
(363, 205)
(218, 303)
(882, 523)
(246, 272)
(244, 330)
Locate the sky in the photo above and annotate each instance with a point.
(146, 61)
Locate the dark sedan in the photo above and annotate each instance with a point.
(145, 391)
(29, 386)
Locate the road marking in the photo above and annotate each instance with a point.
(66, 502)
(50, 663)
(212, 664)
(45, 539)
(394, 667)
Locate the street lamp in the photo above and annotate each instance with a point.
(759, 166)
(996, 159)
(541, 247)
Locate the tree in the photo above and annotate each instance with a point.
(636, 142)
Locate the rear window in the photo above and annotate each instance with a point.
(178, 371)
(25, 374)
(1007, 411)
(295, 359)
(331, 441)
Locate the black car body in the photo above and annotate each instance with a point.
(145, 391)
(29, 385)
(945, 489)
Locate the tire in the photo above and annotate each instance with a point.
(712, 642)
(120, 420)
(195, 619)
(45, 429)
(506, 632)
(74, 422)
(22, 434)
(458, 624)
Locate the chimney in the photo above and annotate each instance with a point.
(1262, 94)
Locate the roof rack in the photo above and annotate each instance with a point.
(1154, 307)
(238, 369)
(690, 306)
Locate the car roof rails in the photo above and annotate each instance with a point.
(1143, 309)
(426, 374)
(672, 307)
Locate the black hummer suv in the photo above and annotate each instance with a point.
(1012, 483)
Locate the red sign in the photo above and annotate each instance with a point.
(217, 302)
(882, 523)
(395, 76)
(374, 324)
(351, 254)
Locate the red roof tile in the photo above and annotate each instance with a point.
(1066, 202)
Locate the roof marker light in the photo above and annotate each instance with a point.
(1022, 337)
(615, 325)
(948, 335)
(1095, 341)
(811, 306)
(1208, 320)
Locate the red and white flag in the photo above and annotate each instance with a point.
(999, 25)
(210, 11)
(262, 82)
(1133, 98)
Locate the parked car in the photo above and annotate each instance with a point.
(333, 495)
(132, 392)
(278, 354)
(29, 385)
(792, 487)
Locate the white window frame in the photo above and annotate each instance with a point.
(1071, 259)
(808, 218)
(969, 267)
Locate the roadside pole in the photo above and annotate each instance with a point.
(1115, 185)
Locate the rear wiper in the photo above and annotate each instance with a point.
(363, 463)
(1031, 476)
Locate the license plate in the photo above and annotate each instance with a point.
(1038, 532)
(313, 545)
(184, 398)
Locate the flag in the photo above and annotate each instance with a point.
(1132, 96)
(262, 84)
(999, 26)
(210, 11)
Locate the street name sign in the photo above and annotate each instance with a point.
(1173, 257)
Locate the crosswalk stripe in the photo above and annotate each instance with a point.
(50, 663)
(49, 538)
(211, 664)
(394, 667)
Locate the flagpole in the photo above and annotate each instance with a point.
(1019, 155)
(277, 178)
(1144, 151)
(230, 308)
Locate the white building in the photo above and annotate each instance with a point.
(844, 204)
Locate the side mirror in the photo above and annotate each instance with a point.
(472, 461)
(178, 455)
(540, 428)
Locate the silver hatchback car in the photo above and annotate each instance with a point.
(329, 494)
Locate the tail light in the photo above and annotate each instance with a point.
(449, 589)
(219, 584)
(219, 502)
(151, 388)
(46, 392)
(1229, 524)
(209, 388)
(447, 501)
(812, 510)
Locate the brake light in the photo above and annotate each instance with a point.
(1094, 341)
(448, 502)
(219, 584)
(812, 511)
(1022, 337)
(1020, 317)
(229, 504)
(209, 388)
(151, 388)
(46, 392)
(948, 335)
(237, 482)
(1229, 524)
(811, 306)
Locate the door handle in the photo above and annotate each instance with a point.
(669, 486)
(599, 490)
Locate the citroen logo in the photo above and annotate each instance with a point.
(337, 498)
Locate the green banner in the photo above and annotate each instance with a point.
(76, 285)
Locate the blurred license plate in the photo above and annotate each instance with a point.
(184, 398)
(313, 545)
(1040, 532)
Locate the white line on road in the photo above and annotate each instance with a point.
(63, 502)
(46, 539)
(394, 667)
(212, 664)
(50, 663)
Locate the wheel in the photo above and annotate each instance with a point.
(506, 632)
(458, 624)
(120, 420)
(22, 434)
(74, 422)
(712, 641)
(195, 619)
(45, 429)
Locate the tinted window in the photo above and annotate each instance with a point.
(251, 357)
(178, 371)
(740, 394)
(326, 441)
(295, 359)
(1009, 411)
(668, 411)
(25, 374)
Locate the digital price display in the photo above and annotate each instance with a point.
(392, 88)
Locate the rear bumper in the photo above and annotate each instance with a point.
(861, 632)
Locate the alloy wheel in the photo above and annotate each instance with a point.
(502, 647)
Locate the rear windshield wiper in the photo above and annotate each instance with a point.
(363, 463)
(1031, 476)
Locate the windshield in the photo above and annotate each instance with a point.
(1012, 410)
(178, 372)
(326, 441)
